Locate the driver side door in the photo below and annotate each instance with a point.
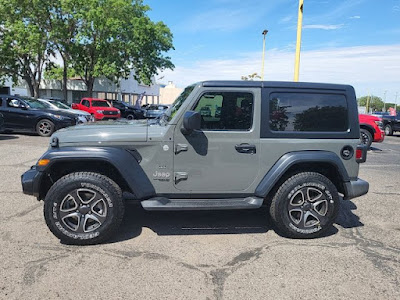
(223, 156)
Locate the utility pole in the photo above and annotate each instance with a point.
(264, 33)
(384, 101)
(298, 42)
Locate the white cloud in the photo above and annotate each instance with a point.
(323, 26)
(370, 69)
(355, 17)
(286, 19)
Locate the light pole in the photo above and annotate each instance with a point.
(264, 33)
(298, 43)
(384, 101)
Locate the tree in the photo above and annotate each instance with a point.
(116, 36)
(375, 103)
(24, 41)
(251, 77)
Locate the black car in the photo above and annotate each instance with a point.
(127, 111)
(30, 115)
(1, 122)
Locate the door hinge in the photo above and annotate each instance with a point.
(180, 176)
(180, 147)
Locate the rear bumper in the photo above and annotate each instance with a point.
(355, 188)
(31, 182)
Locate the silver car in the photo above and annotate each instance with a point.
(83, 116)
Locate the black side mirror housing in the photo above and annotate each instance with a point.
(23, 106)
(191, 122)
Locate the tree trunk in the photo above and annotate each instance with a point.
(30, 86)
(89, 86)
(36, 88)
(64, 83)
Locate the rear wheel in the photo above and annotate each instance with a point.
(388, 129)
(366, 137)
(305, 206)
(45, 127)
(84, 208)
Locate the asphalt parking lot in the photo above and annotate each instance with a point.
(203, 255)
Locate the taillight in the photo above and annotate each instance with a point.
(361, 153)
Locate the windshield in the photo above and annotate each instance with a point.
(59, 105)
(99, 103)
(33, 103)
(171, 111)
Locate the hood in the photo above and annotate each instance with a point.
(76, 111)
(59, 112)
(103, 133)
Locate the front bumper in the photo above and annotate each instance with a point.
(355, 188)
(31, 182)
(379, 136)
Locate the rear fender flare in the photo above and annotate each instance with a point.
(292, 158)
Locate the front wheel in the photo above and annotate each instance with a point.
(84, 208)
(130, 117)
(45, 128)
(388, 129)
(305, 206)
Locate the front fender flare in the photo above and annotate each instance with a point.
(126, 161)
(292, 158)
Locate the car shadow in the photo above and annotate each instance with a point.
(4, 137)
(375, 149)
(192, 222)
(214, 222)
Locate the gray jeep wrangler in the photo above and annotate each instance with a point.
(291, 146)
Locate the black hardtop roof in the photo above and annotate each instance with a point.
(274, 84)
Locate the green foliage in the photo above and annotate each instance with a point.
(374, 103)
(56, 72)
(251, 77)
(24, 41)
(94, 38)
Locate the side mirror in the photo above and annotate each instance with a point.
(23, 106)
(191, 121)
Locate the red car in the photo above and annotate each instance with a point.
(100, 109)
(371, 129)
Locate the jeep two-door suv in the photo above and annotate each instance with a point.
(291, 146)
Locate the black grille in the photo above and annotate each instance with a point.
(110, 113)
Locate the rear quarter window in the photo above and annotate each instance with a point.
(308, 112)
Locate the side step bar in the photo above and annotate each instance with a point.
(161, 203)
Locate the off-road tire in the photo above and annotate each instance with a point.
(388, 129)
(73, 220)
(314, 219)
(45, 128)
(366, 137)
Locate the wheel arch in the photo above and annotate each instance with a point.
(323, 162)
(120, 165)
(368, 127)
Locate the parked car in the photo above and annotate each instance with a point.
(1, 122)
(371, 129)
(31, 115)
(128, 111)
(205, 111)
(83, 116)
(391, 123)
(100, 109)
(154, 111)
(241, 161)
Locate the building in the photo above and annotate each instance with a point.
(169, 92)
(128, 90)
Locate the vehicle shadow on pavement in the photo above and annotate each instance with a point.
(192, 222)
(214, 222)
(347, 218)
(4, 137)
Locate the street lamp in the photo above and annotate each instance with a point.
(264, 33)
(298, 43)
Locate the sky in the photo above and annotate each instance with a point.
(354, 42)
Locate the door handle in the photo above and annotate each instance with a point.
(246, 148)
